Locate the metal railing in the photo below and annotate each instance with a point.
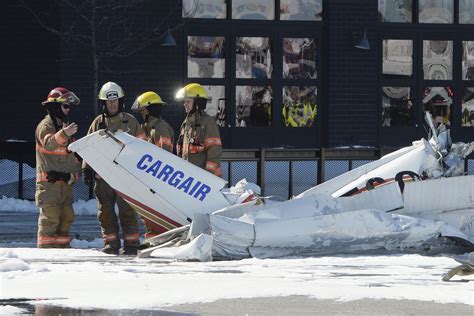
(281, 173)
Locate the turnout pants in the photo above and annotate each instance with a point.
(109, 223)
(56, 214)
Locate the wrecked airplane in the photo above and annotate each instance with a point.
(417, 199)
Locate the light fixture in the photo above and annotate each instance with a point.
(168, 40)
(361, 41)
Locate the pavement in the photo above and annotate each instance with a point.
(19, 229)
(302, 305)
(289, 305)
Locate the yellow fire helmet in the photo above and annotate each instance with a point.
(111, 91)
(192, 90)
(146, 99)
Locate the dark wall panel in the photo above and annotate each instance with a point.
(28, 70)
(352, 76)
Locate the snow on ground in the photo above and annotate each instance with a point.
(81, 278)
(11, 310)
(81, 207)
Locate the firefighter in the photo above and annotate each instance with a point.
(113, 118)
(158, 132)
(56, 170)
(199, 139)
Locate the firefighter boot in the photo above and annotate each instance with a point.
(112, 247)
(130, 250)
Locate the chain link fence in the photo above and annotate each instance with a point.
(280, 173)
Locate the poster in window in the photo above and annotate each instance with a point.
(468, 60)
(204, 9)
(397, 11)
(438, 101)
(253, 106)
(206, 57)
(216, 103)
(253, 57)
(299, 58)
(397, 58)
(438, 60)
(300, 106)
(397, 107)
(467, 107)
(436, 11)
(301, 10)
(466, 12)
(253, 10)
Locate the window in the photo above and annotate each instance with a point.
(468, 60)
(397, 107)
(299, 58)
(216, 104)
(204, 9)
(253, 106)
(397, 58)
(303, 10)
(466, 11)
(395, 11)
(436, 11)
(467, 107)
(253, 10)
(438, 101)
(437, 60)
(299, 106)
(206, 57)
(253, 58)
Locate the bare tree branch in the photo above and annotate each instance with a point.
(108, 29)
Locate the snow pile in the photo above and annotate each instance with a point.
(7, 253)
(13, 265)
(84, 244)
(81, 207)
(12, 310)
(14, 205)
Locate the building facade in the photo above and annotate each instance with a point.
(279, 73)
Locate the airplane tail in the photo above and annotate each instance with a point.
(160, 186)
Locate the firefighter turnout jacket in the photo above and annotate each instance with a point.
(56, 170)
(160, 133)
(200, 143)
(122, 121)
